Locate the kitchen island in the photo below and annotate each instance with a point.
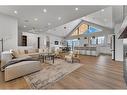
(88, 50)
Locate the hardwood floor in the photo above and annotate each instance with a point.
(96, 73)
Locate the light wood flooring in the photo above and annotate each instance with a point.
(96, 73)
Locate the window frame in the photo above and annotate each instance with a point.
(101, 40)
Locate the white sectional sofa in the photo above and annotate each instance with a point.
(19, 69)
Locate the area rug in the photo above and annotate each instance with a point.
(50, 74)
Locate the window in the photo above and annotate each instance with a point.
(75, 32)
(73, 43)
(85, 29)
(94, 41)
(101, 40)
(92, 30)
(98, 40)
(80, 30)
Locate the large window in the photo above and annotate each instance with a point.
(75, 33)
(92, 30)
(101, 40)
(80, 30)
(73, 43)
(94, 41)
(85, 29)
(98, 40)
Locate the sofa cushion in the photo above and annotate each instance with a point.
(21, 51)
(16, 52)
(26, 51)
(36, 50)
(41, 50)
(31, 50)
(13, 56)
(17, 60)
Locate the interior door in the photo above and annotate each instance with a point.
(38, 42)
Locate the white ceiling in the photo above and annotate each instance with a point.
(61, 31)
(67, 14)
(119, 13)
(108, 17)
(102, 17)
(105, 16)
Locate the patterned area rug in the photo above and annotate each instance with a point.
(50, 74)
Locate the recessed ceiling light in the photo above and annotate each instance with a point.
(49, 23)
(25, 26)
(102, 10)
(35, 19)
(59, 18)
(44, 10)
(76, 9)
(16, 12)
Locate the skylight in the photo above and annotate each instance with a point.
(92, 30)
(85, 29)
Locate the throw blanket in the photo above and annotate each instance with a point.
(17, 60)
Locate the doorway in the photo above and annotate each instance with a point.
(38, 42)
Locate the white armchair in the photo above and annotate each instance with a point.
(69, 57)
(57, 54)
(73, 56)
(43, 50)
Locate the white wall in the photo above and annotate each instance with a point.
(52, 38)
(8, 31)
(106, 49)
(118, 45)
(32, 39)
(20, 36)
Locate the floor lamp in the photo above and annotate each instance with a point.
(2, 43)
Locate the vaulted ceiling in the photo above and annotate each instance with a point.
(43, 18)
(61, 20)
(104, 19)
